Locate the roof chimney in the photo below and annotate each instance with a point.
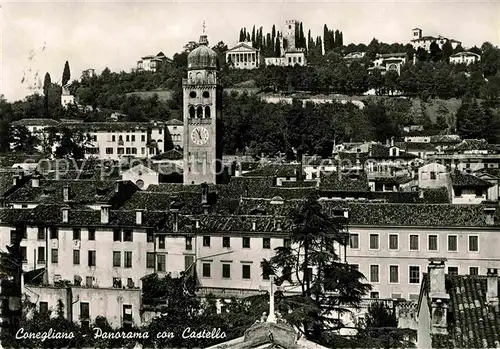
(65, 214)
(175, 212)
(138, 217)
(492, 293)
(437, 277)
(15, 180)
(204, 193)
(66, 193)
(105, 214)
(35, 182)
(438, 296)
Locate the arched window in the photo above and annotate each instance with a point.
(199, 112)
(207, 112)
(192, 112)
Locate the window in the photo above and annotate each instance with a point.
(117, 283)
(413, 242)
(473, 243)
(393, 242)
(473, 271)
(226, 271)
(54, 256)
(127, 138)
(433, 175)
(54, 233)
(117, 235)
(354, 241)
(394, 274)
(374, 295)
(88, 281)
(161, 242)
(41, 233)
(128, 235)
(92, 255)
(24, 254)
(374, 245)
(414, 275)
(41, 255)
(188, 262)
(287, 243)
(121, 151)
(133, 138)
(161, 263)
(113, 138)
(149, 236)
(127, 316)
(206, 241)
(143, 138)
(245, 269)
(91, 232)
(266, 243)
(76, 257)
(189, 243)
(374, 273)
(117, 257)
(128, 259)
(206, 270)
(85, 314)
(433, 242)
(452, 243)
(44, 308)
(453, 270)
(109, 151)
(76, 234)
(226, 241)
(150, 260)
(246, 242)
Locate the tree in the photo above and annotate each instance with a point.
(66, 74)
(381, 329)
(447, 50)
(490, 59)
(46, 86)
(22, 140)
(435, 52)
(312, 264)
(71, 143)
(474, 121)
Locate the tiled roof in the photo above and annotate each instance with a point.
(80, 191)
(386, 214)
(415, 146)
(346, 183)
(460, 179)
(35, 122)
(445, 139)
(472, 323)
(379, 151)
(7, 181)
(169, 155)
(217, 223)
(472, 144)
(48, 215)
(279, 170)
(460, 54)
(112, 126)
(174, 122)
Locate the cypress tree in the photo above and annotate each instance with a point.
(341, 39)
(46, 87)
(337, 38)
(326, 37)
(248, 37)
(66, 74)
(320, 46)
(269, 44)
(242, 37)
(277, 50)
(310, 43)
(253, 36)
(273, 33)
(301, 35)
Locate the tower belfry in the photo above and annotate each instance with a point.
(202, 115)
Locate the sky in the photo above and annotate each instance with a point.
(41, 36)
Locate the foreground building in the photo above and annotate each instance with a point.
(458, 311)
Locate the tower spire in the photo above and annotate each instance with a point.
(203, 36)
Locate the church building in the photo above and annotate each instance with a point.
(202, 117)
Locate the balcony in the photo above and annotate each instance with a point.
(198, 121)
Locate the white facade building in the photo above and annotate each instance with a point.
(465, 58)
(243, 56)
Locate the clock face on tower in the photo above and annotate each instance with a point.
(200, 135)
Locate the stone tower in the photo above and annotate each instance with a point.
(202, 116)
(290, 29)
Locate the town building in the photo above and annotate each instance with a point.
(66, 97)
(388, 62)
(465, 58)
(152, 62)
(420, 41)
(243, 56)
(290, 55)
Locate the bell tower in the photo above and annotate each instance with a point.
(202, 116)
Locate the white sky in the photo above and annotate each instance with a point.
(97, 34)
